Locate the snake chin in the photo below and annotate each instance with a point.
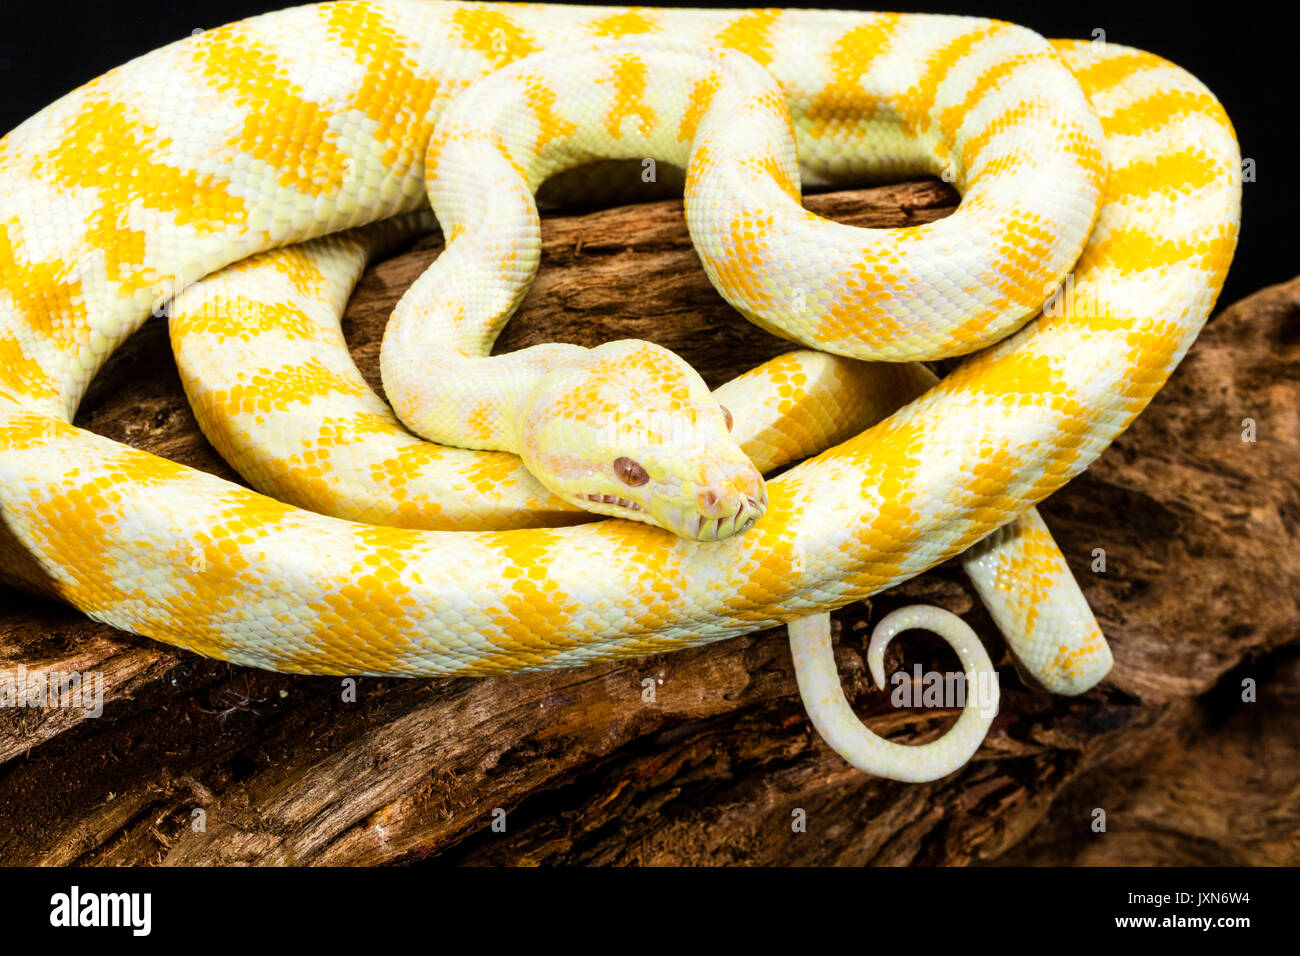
(701, 527)
(685, 523)
(715, 529)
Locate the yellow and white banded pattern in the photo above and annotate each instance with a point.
(242, 336)
(246, 338)
(310, 121)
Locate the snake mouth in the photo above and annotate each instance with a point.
(703, 528)
(715, 529)
(613, 500)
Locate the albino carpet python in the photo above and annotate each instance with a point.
(1100, 200)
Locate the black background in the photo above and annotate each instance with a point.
(1242, 51)
(739, 910)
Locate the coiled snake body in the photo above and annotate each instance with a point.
(1094, 162)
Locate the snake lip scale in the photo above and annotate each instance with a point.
(444, 534)
(611, 500)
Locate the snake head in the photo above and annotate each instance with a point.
(630, 430)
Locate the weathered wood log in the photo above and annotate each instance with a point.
(197, 761)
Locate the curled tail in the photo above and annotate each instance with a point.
(823, 695)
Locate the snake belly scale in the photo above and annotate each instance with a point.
(310, 121)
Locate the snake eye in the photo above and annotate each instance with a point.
(630, 473)
(726, 412)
